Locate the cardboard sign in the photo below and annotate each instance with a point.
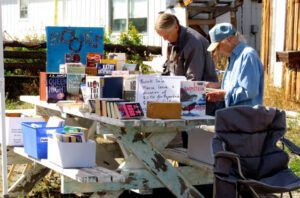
(157, 88)
(62, 41)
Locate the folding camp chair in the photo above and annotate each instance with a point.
(248, 161)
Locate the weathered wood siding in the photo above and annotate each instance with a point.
(281, 32)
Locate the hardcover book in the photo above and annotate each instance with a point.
(106, 66)
(112, 87)
(192, 98)
(56, 87)
(92, 59)
(43, 86)
(74, 81)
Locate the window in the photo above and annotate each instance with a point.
(24, 9)
(129, 11)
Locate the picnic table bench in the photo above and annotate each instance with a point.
(146, 160)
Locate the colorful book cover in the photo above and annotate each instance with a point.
(130, 110)
(56, 87)
(106, 66)
(72, 58)
(192, 98)
(92, 59)
(93, 87)
(74, 81)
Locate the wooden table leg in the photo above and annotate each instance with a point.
(154, 162)
(27, 180)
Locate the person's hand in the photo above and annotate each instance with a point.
(215, 96)
(214, 85)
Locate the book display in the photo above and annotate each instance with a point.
(192, 98)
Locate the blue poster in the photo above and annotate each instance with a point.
(71, 43)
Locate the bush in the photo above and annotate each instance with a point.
(131, 37)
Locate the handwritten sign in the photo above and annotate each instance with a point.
(157, 88)
(65, 41)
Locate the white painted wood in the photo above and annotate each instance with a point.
(84, 175)
(180, 155)
(277, 40)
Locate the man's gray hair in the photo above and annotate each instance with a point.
(166, 21)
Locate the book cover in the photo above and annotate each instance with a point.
(92, 59)
(106, 66)
(91, 71)
(72, 58)
(74, 81)
(43, 86)
(92, 105)
(56, 87)
(93, 87)
(130, 110)
(112, 87)
(75, 68)
(131, 67)
(192, 98)
(120, 58)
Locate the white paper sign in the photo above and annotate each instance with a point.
(157, 88)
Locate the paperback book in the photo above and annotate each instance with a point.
(106, 66)
(192, 98)
(56, 87)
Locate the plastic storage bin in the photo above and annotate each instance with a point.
(35, 138)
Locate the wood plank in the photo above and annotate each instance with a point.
(136, 179)
(145, 122)
(192, 22)
(288, 78)
(293, 83)
(26, 182)
(298, 85)
(296, 24)
(84, 175)
(180, 155)
(25, 55)
(28, 66)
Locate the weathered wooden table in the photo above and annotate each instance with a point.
(145, 158)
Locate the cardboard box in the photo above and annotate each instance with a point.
(164, 110)
(72, 154)
(13, 121)
(200, 145)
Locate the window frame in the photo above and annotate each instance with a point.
(20, 10)
(127, 18)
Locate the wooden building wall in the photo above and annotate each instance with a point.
(290, 56)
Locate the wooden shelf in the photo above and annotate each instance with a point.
(290, 57)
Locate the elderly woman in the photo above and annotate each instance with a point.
(187, 54)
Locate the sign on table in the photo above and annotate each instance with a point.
(157, 88)
(76, 42)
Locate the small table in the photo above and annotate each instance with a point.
(143, 144)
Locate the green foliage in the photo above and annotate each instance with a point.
(295, 165)
(107, 36)
(131, 37)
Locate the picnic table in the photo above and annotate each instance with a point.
(146, 160)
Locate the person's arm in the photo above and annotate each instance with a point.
(248, 81)
(199, 64)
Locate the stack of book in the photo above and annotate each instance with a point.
(72, 134)
(118, 108)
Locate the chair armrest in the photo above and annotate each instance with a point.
(291, 146)
(224, 161)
